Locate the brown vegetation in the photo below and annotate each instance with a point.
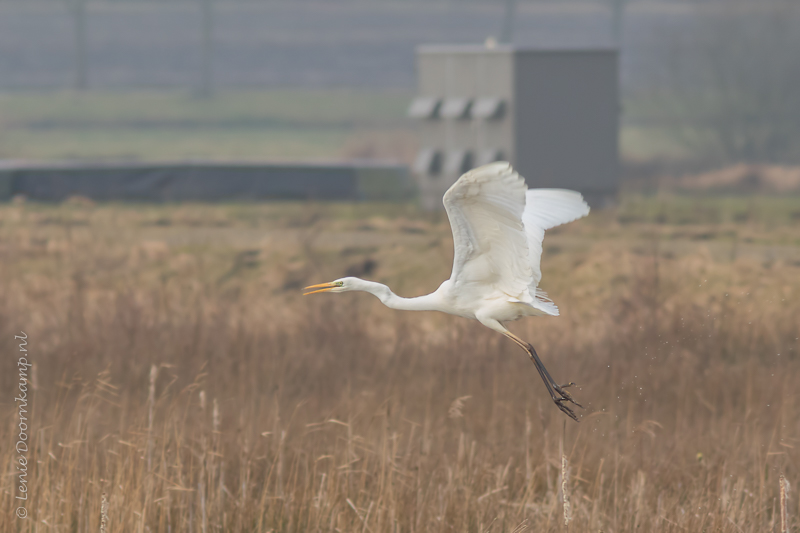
(741, 178)
(181, 378)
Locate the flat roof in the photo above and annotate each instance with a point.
(506, 48)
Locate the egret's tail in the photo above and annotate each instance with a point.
(543, 303)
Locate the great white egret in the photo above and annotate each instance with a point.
(498, 225)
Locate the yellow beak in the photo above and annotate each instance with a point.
(325, 288)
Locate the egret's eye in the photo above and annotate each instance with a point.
(339, 283)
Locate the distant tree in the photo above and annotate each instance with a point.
(732, 80)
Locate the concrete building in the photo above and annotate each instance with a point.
(554, 114)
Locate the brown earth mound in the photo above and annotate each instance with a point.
(741, 178)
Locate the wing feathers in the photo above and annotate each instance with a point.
(485, 209)
(498, 225)
(545, 209)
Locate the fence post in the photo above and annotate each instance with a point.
(207, 73)
(507, 32)
(617, 20)
(81, 71)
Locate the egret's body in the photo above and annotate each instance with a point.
(498, 225)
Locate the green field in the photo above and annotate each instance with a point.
(163, 125)
(286, 125)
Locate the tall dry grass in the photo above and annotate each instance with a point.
(201, 396)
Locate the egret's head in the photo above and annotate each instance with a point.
(340, 285)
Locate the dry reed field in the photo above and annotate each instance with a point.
(182, 384)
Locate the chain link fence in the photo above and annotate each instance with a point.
(718, 73)
(244, 43)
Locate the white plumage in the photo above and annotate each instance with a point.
(498, 226)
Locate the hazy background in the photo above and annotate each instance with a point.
(704, 83)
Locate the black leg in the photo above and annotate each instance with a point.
(548, 381)
(558, 388)
(563, 396)
(556, 391)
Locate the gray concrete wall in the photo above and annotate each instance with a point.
(559, 126)
(472, 72)
(567, 125)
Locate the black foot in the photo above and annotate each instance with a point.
(565, 396)
(557, 392)
(565, 409)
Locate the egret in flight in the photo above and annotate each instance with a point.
(498, 225)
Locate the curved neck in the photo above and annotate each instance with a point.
(429, 302)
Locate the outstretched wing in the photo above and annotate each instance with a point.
(485, 208)
(545, 209)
